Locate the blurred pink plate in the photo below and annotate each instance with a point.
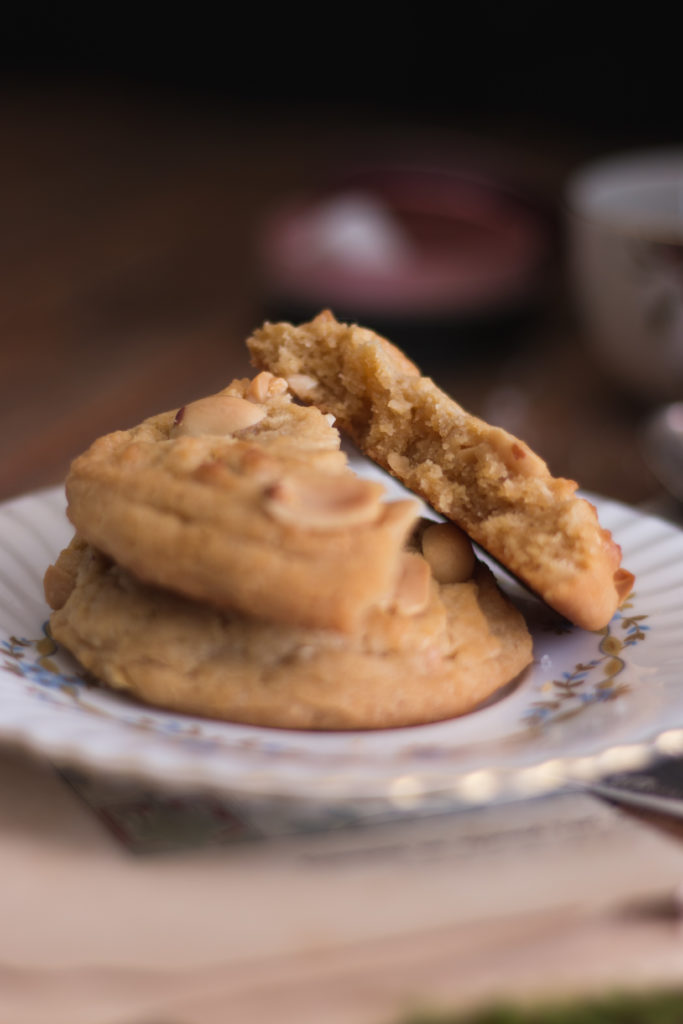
(406, 242)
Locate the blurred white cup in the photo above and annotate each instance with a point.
(625, 233)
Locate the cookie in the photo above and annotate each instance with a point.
(243, 500)
(438, 650)
(484, 479)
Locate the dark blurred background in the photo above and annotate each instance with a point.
(142, 151)
(605, 70)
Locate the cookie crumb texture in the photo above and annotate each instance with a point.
(243, 500)
(487, 481)
(401, 668)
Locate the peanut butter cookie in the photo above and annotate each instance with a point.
(243, 500)
(438, 649)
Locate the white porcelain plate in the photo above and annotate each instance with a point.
(591, 703)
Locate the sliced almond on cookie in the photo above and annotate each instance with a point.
(265, 385)
(323, 502)
(302, 385)
(217, 416)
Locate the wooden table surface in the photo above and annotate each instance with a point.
(129, 280)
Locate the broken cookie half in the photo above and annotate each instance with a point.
(479, 476)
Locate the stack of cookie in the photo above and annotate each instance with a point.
(227, 562)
